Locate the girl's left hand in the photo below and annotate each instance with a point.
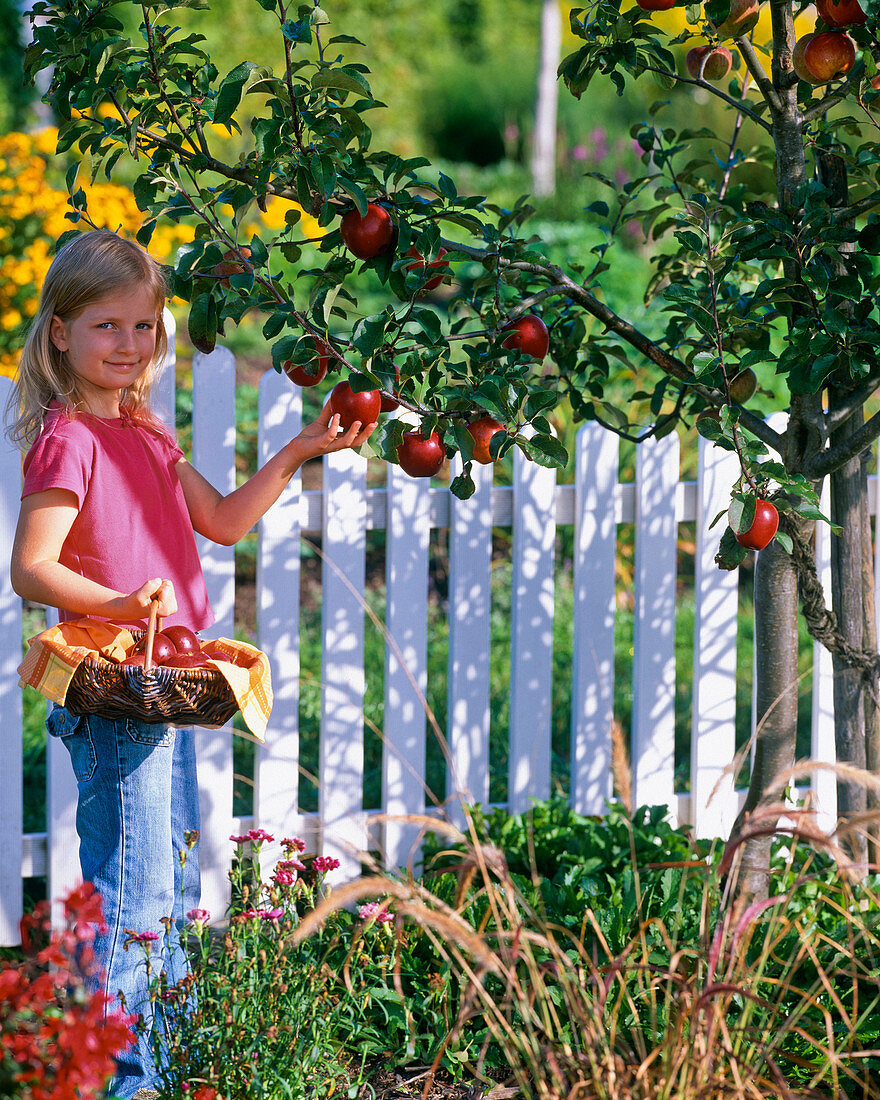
(324, 435)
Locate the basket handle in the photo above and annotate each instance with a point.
(152, 627)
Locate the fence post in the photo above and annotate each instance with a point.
(531, 645)
(11, 757)
(408, 532)
(713, 737)
(276, 768)
(823, 748)
(595, 549)
(470, 605)
(213, 448)
(656, 550)
(341, 769)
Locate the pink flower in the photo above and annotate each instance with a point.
(257, 836)
(144, 937)
(199, 917)
(271, 914)
(294, 844)
(251, 914)
(376, 911)
(239, 839)
(283, 878)
(323, 864)
(290, 865)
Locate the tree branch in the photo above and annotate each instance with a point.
(759, 75)
(831, 459)
(833, 98)
(843, 410)
(707, 87)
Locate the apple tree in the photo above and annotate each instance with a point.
(767, 236)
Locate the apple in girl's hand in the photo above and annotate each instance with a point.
(482, 431)
(364, 406)
(421, 264)
(367, 236)
(184, 639)
(420, 457)
(528, 334)
(299, 374)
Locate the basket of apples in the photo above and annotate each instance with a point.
(167, 676)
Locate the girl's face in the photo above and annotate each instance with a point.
(109, 345)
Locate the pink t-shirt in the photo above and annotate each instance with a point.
(133, 522)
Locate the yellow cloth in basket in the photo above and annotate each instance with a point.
(54, 656)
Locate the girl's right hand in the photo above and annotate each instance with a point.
(162, 591)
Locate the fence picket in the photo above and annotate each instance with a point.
(341, 770)
(531, 647)
(470, 605)
(713, 737)
(213, 450)
(406, 656)
(595, 551)
(653, 704)
(276, 768)
(11, 755)
(822, 748)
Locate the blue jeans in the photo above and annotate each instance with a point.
(138, 795)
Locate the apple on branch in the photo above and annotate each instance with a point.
(818, 58)
(761, 530)
(528, 334)
(367, 236)
(708, 63)
(656, 5)
(422, 265)
(312, 373)
(846, 13)
(482, 431)
(743, 15)
(234, 262)
(419, 456)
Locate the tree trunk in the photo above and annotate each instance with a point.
(544, 139)
(847, 555)
(776, 610)
(872, 711)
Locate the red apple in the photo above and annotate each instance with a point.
(763, 528)
(184, 639)
(299, 374)
(368, 236)
(827, 55)
(797, 58)
(135, 660)
(716, 65)
(847, 13)
(482, 431)
(233, 263)
(420, 457)
(351, 406)
(212, 649)
(743, 15)
(163, 648)
(186, 660)
(421, 264)
(528, 334)
(656, 5)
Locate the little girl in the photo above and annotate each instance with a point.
(109, 507)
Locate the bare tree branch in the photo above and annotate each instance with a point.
(759, 76)
(834, 457)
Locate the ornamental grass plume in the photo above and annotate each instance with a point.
(56, 1043)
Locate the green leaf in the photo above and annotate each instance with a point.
(202, 324)
(343, 80)
(463, 486)
(785, 541)
(730, 554)
(230, 92)
(355, 193)
(297, 31)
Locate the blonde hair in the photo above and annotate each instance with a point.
(84, 271)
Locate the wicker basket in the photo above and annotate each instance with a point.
(174, 696)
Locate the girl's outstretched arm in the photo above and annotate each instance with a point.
(38, 574)
(226, 519)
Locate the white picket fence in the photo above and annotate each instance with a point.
(342, 512)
